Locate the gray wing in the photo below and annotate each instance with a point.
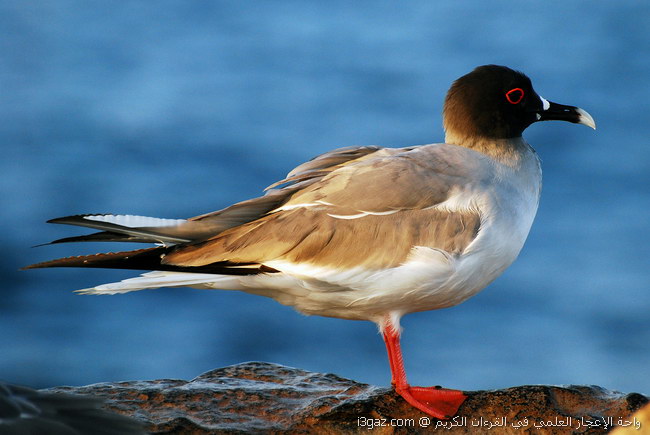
(328, 162)
(128, 228)
(397, 179)
(181, 232)
(349, 216)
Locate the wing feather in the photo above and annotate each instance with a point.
(124, 228)
(312, 236)
(390, 200)
(341, 209)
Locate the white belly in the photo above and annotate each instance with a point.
(430, 279)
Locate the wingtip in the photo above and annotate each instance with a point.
(41, 244)
(66, 219)
(113, 260)
(42, 264)
(33, 266)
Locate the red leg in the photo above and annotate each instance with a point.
(435, 401)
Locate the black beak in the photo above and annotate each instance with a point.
(559, 112)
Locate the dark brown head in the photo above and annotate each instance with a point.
(496, 102)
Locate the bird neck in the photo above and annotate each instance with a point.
(508, 151)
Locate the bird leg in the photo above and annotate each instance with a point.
(436, 401)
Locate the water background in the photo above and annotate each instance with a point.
(174, 109)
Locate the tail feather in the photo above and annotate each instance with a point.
(171, 234)
(150, 259)
(157, 279)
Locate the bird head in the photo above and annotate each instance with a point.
(496, 102)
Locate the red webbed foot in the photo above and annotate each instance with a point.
(438, 402)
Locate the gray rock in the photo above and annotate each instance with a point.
(25, 411)
(260, 397)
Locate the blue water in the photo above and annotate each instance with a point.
(174, 109)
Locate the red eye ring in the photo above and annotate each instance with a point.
(515, 99)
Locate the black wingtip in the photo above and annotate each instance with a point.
(76, 219)
(66, 219)
(102, 236)
(142, 259)
(149, 259)
(63, 240)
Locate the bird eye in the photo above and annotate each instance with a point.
(515, 95)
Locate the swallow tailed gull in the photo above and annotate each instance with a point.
(365, 233)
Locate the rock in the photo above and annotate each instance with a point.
(260, 397)
(640, 420)
(27, 411)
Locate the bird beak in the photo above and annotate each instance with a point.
(559, 112)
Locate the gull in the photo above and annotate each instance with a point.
(364, 233)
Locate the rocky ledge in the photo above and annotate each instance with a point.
(260, 397)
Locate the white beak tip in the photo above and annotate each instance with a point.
(585, 118)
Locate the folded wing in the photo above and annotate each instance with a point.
(341, 209)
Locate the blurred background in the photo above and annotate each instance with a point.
(174, 109)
